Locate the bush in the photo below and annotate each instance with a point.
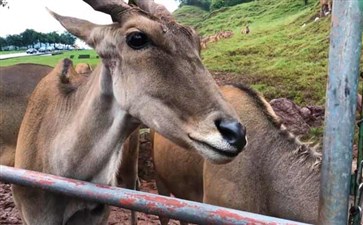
(204, 4)
(217, 4)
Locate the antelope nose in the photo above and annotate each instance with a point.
(233, 132)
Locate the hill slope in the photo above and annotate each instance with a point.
(279, 57)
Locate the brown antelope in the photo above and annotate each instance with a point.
(151, 72)
(247, 29)
(16, 85)
(276, 175)
(325, 7)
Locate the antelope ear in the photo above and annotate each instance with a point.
(78, 27)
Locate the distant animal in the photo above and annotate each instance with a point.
(276, 175)
(325, 7)
(74, 125)
(247, 30)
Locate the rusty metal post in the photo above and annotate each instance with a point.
(139, 201)
(344, 56)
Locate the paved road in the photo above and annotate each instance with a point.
(15, 55)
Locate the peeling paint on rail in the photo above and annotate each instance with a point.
(188, 211)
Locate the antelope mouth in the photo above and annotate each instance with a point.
(205, 145)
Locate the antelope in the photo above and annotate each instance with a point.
(17, 84)
(325, 7)
(277, 175)
(150, 72)
(247, 29)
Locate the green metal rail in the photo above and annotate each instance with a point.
(344, 57)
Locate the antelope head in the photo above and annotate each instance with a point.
(152, 68)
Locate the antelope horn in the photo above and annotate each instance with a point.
(153, 8)
(111, 7)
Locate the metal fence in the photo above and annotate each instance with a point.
(344, 56)
(139, 201)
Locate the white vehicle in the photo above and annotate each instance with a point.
(31, 51)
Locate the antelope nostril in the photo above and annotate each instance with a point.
(233, 132)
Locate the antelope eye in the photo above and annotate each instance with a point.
(137, 40)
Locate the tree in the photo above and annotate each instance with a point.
(217, 4)
(15, 40)
(53, 37)
(205, 4)
(305, 2)
(43, 38)
(67, 38)
(29, 37)
(3, 43)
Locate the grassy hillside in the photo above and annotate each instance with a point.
(279, 57)
(190, 15)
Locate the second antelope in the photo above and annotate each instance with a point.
(277, 175)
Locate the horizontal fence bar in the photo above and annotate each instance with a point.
(187, 211)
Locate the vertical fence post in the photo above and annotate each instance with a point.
(344, 57)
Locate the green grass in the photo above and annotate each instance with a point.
(53, 60)
(190, 15)
(279, 57)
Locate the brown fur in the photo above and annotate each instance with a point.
(74, 126)
(276, 175)
(16, 85)
(83, 68)
(18, 82)
(326, 7)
